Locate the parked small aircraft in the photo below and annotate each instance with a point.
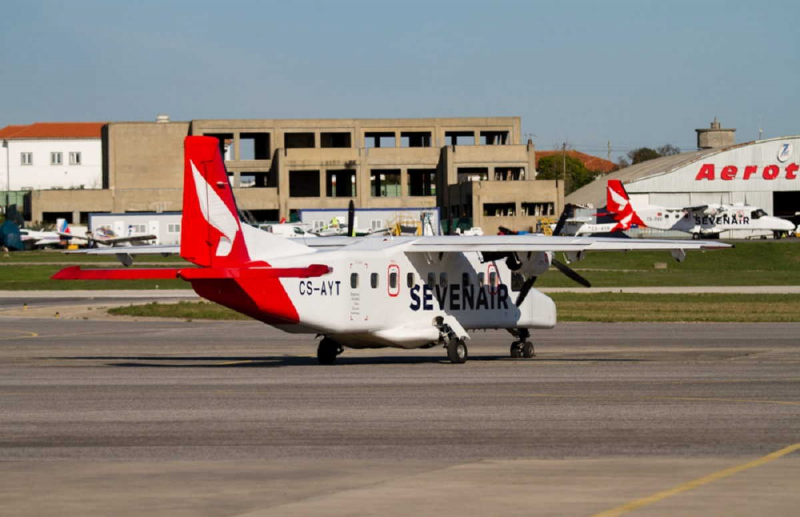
(106, 237)
(699, 221)
(44, 238)
(403, 292)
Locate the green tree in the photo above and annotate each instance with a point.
(642, 154)
(577, 175)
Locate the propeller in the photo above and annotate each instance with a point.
(351, 219)
(571, 273)
(526, 287)
(569, 211)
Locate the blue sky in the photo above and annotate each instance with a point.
(637, 73)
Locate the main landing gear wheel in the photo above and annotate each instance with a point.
(457, 351)
(327, 351)
(520, 349)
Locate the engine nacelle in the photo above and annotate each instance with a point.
(534, 263)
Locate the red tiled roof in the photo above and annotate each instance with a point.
(53, 130)
(7, 131)
(593, 163)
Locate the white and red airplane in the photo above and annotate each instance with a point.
(698, 221)
(403, 292)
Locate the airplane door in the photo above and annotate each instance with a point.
(119, 229)
(153, 228)
(359, 292)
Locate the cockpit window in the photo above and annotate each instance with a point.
(298, 230)
(758, 214)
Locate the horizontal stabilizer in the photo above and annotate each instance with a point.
(191, 273)
(76, 273)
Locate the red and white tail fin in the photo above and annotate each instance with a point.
(617, 200)
(211, 233)
(618, 204)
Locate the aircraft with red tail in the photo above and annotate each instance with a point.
(372, 292)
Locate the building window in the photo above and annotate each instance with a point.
(459, 138)
(174, 228)
(385, 182)
(379, 139)
(303, 183)
(421, 182)
(335, 140)
(509, 173)
(74, 158)
(499, 210)
(55, 158)
(26, 158)
(134, 229)
(415, 139)
(340, 183)
(494, 137)
(541, 208)
(299, 140)
(467, 174)
(254, 146)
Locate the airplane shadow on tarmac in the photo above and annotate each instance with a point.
(285, 361)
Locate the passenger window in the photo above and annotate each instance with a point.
(373, 280)
(443, 279)
(431, 279)
(410, 280)
(481, 279)
(354, 280)
(465, 279)
(393, 280)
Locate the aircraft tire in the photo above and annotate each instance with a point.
(516, 350)
(327, 351)
(527, 350)
(457, 351)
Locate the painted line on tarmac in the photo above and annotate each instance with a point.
(27, 335)
(696, 483)
(716, 399)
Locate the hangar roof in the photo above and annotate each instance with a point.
(595, 192)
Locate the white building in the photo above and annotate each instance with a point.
(417, 221)
(51, 155)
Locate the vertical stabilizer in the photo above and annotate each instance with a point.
(211, 233)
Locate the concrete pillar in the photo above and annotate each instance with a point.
(283, 184)
(235, 155)
(397, 139)
(323, 175)
(404, 182)
(491, 173)
(76, 217)
(477, 136)
(317, 139)
(237, 179)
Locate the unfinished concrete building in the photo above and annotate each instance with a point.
(278, 167)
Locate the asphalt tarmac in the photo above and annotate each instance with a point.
(123, 417)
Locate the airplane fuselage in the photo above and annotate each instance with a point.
(380, 298)
(713, 220)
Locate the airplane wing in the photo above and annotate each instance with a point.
(697, 208)
(157, 249)
(537, 243)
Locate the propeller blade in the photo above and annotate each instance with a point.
(568, 211)
(571, 273)
(351, 219)
(526, 287)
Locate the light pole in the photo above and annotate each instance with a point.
(8, 175)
